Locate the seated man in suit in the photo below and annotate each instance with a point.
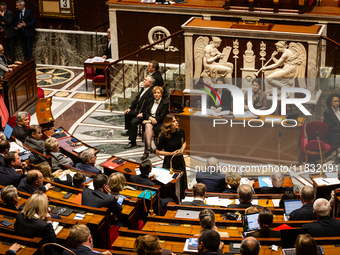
(325, 226)
(59, 160)
(331, 118)
(9, 195)
(81, 238)
(33, 182)
(88, 159)
(33, 140)
(134, 114)
(245, 195)
(4, 149)
(307, 195)
(153, 69)
(199, 190)
(99, 197)
(10, 173)
(145, 168)
(214, 181)
(79, 180)
(209, 242)
(277, 180)
(250, 245)
(20, 129)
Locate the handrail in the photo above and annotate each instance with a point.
(145, 47)
(330, 40)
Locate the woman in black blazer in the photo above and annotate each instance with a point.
(35, 221)
(156, 109)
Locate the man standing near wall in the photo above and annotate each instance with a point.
(7, 23)
(25, 22)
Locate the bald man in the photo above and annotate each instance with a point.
(33, 182)
(306, 211)
(250, 246)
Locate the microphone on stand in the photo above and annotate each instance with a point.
(318, 138)
(279, 147)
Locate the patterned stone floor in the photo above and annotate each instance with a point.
(76, 110)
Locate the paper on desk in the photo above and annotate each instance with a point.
(247, 114)
(90, 186)
(244, 181)
(55, 224)
(326, 181)
(265, 182)
(276, 202)
(188, 199)
(255, 201)
(218, 201)
(270, 119)
(162, 175)
(137, 171)
(98, 59)
(57, 230)
(16, 146)
(89, 60)
(186, 247)
(79, 216)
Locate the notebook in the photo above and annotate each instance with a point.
(288, 238)
(292, 205)
(8, 131)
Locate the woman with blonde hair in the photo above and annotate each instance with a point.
(232, 179)
(58, 160)
(117, 182)
(34, 220)
(45, 169)
(148, 245)
(305, 244)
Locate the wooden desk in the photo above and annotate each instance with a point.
(66, 148)
(175, 184)
(19, 88)
(94, 65)
(255, 144)
(31, 246)
(322, 191)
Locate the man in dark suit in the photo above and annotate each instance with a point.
(33, 182)
(25, 22)
(325, 226)
(7, 23)
(250, 245)
(306, 211)
(81, 238)
(20, 129)
(134, 114)
(214, 181)
(245, 195)
(277, 180)
(331, 118)
(199, 190)
(9, 195)
(88, 159)
(4, 149)
(33, 140)
(99, 197)
(107, 52)
(153, 69)
(209, 242)
(9, 174)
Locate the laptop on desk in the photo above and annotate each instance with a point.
(187, 214)
(291, 205)
(288, 238)
(8, 131)
(250, 223)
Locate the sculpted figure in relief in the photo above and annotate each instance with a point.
(215, 63)
(293, 60)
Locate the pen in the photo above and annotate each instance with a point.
(325, 181)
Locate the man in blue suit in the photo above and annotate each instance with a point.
(25, 22)
(88, 159)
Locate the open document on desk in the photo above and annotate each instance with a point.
(162, 175)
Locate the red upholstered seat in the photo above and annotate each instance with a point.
(98, 78)
(88, 73)
(41, 93)
(314, 145)
(3, 112)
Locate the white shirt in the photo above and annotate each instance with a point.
(337, 112)
(145, 89)
(155, 106)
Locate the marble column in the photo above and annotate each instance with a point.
(323, 45)
(189, 57)
(312, 66)
(114, 34)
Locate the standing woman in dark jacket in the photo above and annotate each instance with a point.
(155, 111)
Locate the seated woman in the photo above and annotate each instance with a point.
(259, 97)
(45, 169)
(232, 179)
(35, 221)
(207, 221)
(225, 97)
(331, 118)
(148, 245)
(288, 195)
(9, 195)
(116, 184)
(265, 221)
(59, 160)
(305, 244)
(155, 111)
